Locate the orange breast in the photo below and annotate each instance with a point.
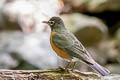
(59, 51)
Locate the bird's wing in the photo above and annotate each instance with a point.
(68, 42)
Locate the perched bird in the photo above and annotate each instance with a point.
(67, 46)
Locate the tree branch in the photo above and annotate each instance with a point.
(53, 74)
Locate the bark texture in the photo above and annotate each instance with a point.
(54, 74)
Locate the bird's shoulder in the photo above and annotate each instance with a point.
(63, 38)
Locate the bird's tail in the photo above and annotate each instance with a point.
(103, 71)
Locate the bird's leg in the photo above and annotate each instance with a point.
(67, 65)
(74, 63)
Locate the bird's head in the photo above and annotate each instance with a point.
(55, 23)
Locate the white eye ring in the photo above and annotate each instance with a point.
(51, 22)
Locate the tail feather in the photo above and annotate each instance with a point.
(103, 71)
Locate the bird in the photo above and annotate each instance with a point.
(68, 47)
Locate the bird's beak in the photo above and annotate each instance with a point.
(46, 22)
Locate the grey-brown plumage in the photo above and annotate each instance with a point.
(67, 42)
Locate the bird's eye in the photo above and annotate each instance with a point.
(51, 23)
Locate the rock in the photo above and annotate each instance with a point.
(89, 30)
(114, 68)
(112, 77)
(117, 34)
(33, 46)
(9, 42)
(92, 6)
(109, 50)
(36, 50)
(117, 37)
(33, 49)
(29, 16)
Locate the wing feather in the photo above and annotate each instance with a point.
(68, 42)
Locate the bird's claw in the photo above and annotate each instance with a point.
(64, 69)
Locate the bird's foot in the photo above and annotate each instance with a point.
(72, 70)
(60, 68)
(64, 69)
